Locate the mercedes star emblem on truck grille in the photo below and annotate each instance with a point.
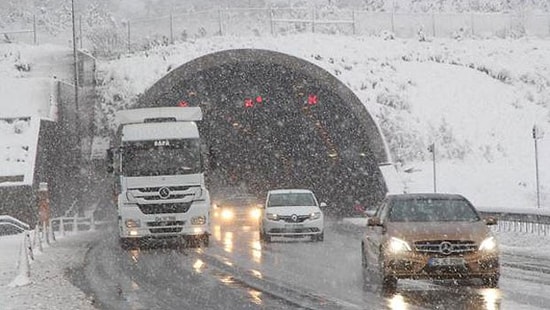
(164, 192)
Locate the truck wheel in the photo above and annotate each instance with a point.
(490, 282)
(205, 240)
(126, 243)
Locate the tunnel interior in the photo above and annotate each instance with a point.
(267, 125)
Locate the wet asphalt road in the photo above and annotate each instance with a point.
(237, 271)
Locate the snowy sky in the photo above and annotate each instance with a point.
(476, 99)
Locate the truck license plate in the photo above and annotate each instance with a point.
(446, 261)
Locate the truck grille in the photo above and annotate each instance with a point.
(180, 207)
(445, 246)
(173, 192)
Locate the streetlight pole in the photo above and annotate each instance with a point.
(536, 136)
(431, 148)
(75, 60)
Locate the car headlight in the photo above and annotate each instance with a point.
(397, 245)
(272, 216)
(132, 223)
(227, 214)
(315, 215)
(489, 244)
(255, 213)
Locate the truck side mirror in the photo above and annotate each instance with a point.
(374, 221)
(323, 205)
(110, 156)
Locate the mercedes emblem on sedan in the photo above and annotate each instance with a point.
(164, 192)
(446, 248)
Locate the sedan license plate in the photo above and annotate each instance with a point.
(446, 261)
(293, 226)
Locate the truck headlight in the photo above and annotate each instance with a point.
(397, 245)
(198, 220)
(272, 216)
(489, 244)
(130, 197)
(130, 223)
(315, 215)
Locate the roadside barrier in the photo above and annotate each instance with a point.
(524, 223)
(23, 265)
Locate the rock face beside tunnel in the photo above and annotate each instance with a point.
(276, 121)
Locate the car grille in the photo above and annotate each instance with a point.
(164, 208)
(435, 246)
(288, 218)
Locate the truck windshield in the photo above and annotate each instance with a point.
(161, 157)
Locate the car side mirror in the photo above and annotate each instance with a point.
(323, 205)
(374, 221)
(491, 221)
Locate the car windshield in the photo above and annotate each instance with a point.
(432, 210)
(291, 199)
(239, 202)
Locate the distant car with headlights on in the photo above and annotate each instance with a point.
(292, 213)
(429, 236)
(237, 210)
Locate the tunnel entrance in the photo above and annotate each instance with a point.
(276, 121)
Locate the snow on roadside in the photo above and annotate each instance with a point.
(49, 287)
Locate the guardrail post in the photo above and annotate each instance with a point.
(354, 20)
(61, 226)
(75, 224)
(45, 232)
(92, 222)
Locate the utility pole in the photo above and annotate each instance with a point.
(431, 148)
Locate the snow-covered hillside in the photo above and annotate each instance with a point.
(477, 100)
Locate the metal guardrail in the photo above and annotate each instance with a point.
(9, 221)
(518, 222)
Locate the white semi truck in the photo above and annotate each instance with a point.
(159, 176)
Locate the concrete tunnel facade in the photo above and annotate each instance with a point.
(272, 120)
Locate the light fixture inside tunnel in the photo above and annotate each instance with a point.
(312, 99)
(251, 102)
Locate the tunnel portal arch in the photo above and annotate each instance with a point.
(275, 120)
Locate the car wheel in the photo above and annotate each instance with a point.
(267, 238)
(320, 237)
(490, 282)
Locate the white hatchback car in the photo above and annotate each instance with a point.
(292, 213)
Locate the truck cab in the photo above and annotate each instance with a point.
(159, 176)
